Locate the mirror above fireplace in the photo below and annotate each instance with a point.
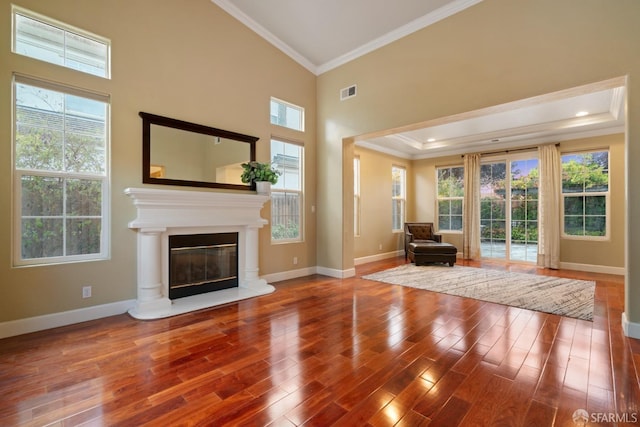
(175, 152)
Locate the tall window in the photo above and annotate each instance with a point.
(398, 197)
(450, 198)
(286, 114)
(61, 180)
(356, 196)
(585, 193)
(286, 195)
(51, 41)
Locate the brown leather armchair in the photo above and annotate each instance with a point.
(419, 232)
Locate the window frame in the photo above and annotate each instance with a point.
(291, 106)
(66, 29)
(19, 173)
(585, 194)
(357, 198)
(402, 198)
(285, 191)
(449, 198)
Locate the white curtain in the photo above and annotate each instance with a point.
(549, 206)
(471, 214)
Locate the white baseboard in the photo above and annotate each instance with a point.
(630, 329)
(377, 257)
(291, 274)
(593, 268)
(54, 320)
(338, 274)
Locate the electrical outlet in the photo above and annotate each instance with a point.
(86, 292)
(295, 260)
(380, 246)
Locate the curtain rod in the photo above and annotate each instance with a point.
(509, 151)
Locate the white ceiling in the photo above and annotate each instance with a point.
(324, 34)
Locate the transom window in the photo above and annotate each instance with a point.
(286, 114)
(585, 194)
(398, 197)
(450, 198)
(61, 179)
(286, 194)
(48, 40)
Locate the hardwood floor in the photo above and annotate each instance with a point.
(322, 351)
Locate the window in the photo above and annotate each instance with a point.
(585, 193)
(287, 115)
(398, 197)
(286, 194)
(450, 197)
(60, 173)
(51, 41)
(356, 196)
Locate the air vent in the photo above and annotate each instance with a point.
(348, 92)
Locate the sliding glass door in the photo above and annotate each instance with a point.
(509, 209)
(493, 213)
(524, 210)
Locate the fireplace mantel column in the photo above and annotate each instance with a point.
(151, 300)
(251, 261)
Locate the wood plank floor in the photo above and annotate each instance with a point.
(322, 351)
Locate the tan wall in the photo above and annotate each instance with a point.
(376, 236)
(494, 52)
(608, 253)
(611, 251)
(183, 59)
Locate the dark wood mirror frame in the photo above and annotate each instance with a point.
(152, 119)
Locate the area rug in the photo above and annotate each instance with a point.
(555, 295)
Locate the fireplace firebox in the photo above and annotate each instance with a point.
(201, 263)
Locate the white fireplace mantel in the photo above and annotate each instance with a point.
(162, 213)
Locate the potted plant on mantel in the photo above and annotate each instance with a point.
(263, 174)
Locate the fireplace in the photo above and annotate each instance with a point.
(200, 263)
(167, 218)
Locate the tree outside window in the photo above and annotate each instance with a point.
(61, 174)
(585, 193)
(450, 198)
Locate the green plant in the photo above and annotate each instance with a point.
(256, 171)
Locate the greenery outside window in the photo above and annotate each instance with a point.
(48, 40)
(61, 173)
(585, 194)
(398, 197)
(287, 115)
(286, 194)
(450, 198)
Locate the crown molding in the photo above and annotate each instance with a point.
(413, 26)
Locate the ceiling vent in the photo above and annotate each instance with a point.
(348, 92)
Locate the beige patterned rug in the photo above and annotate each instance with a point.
(555, 295)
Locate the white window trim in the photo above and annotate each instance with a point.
(17, 10)
(294, 106)
(18, 173)
(301, 237)
(357, 198)
(607, 197)
(438, 199)
(402, 198)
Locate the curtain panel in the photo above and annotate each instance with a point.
(471, 211)
(549, 207)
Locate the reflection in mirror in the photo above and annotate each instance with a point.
(182, 153)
